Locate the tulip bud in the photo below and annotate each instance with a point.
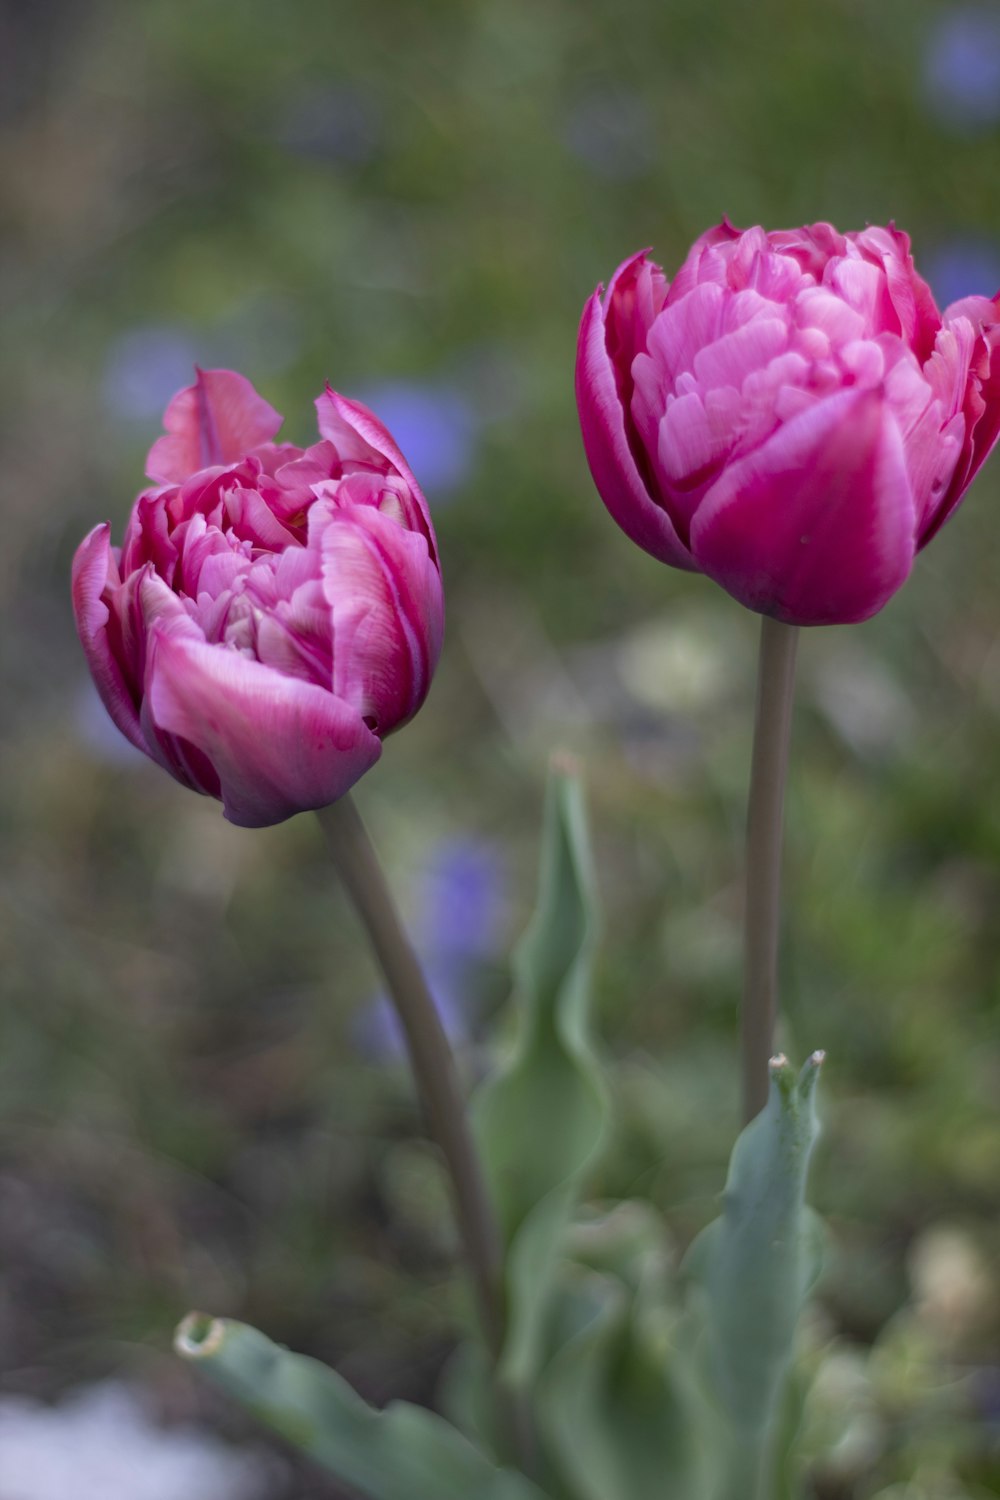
(273, 613)
(791, 415)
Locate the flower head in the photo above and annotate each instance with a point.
(273, 613)
(791, 415)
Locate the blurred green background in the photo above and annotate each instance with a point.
(198, 1103)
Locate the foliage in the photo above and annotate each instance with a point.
(427, 194)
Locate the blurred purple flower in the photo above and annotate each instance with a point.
(612, 133)
(144, 367)
(459, 920)
(962, 67)
(960, 267)
(99, 735)
(462, 899)
(436, 426)
(150, 362)
(986, 1394)
(339, 122)
(378, 1033)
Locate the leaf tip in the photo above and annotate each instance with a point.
(810, 1073)
(199, 1336)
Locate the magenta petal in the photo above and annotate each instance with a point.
(356, 432)
(215, 421)
(278, 744)
(616, 474)
(93, 568)
(386, 604)
(359, 436)
(816, 527)
(981, 401)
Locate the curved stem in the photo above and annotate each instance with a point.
(765, 817)
(430, 1056)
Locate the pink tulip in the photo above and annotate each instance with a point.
(273, 613)
(792, 415)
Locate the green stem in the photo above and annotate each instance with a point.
(430, 1056)
(765, 816)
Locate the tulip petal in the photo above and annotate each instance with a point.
(981, 400)
(359, 436)
(817, 526)
(384, 594)
(612, 462)
(93, 567)
(280, 745)
(218, 420)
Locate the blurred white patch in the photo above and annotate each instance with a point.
(101, 1443)
(862, 700)
(843, 1427)
(952, 1282)
(679, 666)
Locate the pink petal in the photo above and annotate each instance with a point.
(252, 520)
(812, 246)
(635, 298)
(688, 276)
(864, 288)
(215, 421)
(980, 407)
(359, 436)
(817, 526)
(95, 570)
(156, 607)
(296, 638)
(147, 535)
(730, 359)
(612, 462)
(912, 298)
(384, 594)
(279, 745)
(673, 342)
(275, 456)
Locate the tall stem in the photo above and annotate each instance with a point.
(430, 1055)
(765, 817)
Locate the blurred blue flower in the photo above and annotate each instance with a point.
(378, 1033)
(462, 901)
(962, 67)
(436, 426)
(459, 921)
(612, 133)
(144, 367)
(959, 267)
(986, 1395)
(96, 732)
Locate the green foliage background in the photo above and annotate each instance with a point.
(183, 1117)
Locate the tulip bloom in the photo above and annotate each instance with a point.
(273, 613)
(791, 415)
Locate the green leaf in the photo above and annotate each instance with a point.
(401, 1453)
(541, 1119)
(751, 1271)
(616, 1422)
